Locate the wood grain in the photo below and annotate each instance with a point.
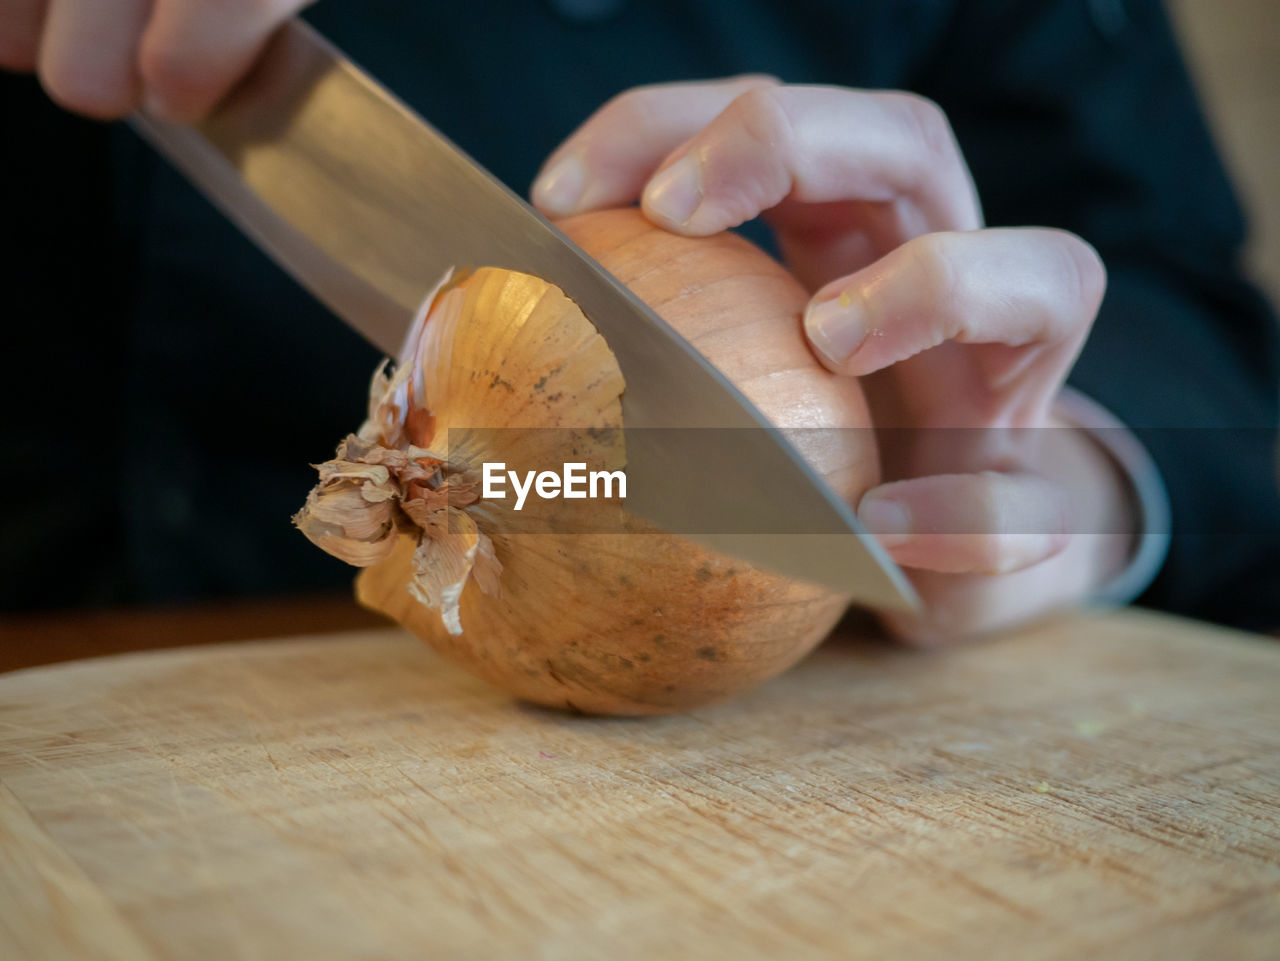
(51, 910)
(1102, 787)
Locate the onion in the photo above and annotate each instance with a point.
(632, 621)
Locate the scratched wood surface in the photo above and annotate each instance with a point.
(1102, 787)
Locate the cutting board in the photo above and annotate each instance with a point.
(1099, 787)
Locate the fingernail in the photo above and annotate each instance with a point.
(559, 188)
(889, 520)
(835, 327)
(674, 194)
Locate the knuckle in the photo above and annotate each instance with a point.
(1061, 516)
(1021, 520)
(1008, 552)
(165, 69)
(998, 552)
(935, 275)
(988, 498)
(929, 124)
(1086, 275)
(755, 148)
(983, 534)
(629, 109)
(1074, 271)
(103, 97)
(762, 117)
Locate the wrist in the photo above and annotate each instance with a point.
(1127, 515)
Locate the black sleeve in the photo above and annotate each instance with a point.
(1080, 114)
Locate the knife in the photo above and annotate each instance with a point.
(366, 205)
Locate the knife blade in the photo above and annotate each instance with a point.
(366, 205)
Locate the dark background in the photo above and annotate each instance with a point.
(166, 386)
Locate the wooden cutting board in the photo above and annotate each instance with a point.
(1102, 787)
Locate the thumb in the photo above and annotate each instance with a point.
(984, 523)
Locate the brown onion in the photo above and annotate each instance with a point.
(637, 622)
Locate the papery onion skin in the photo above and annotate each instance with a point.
(646, 622)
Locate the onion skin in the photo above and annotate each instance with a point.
(647, 622)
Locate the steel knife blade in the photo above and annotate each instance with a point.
(367, 205)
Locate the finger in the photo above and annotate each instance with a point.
(959, 607)
(88, 53)
(815, 145)
(983, 523)
(606, 161)
(193, 51)
(20, 25)
(1010, 286)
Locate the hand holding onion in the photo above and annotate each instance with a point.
(948, 325)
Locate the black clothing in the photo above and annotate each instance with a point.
(169, 385)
